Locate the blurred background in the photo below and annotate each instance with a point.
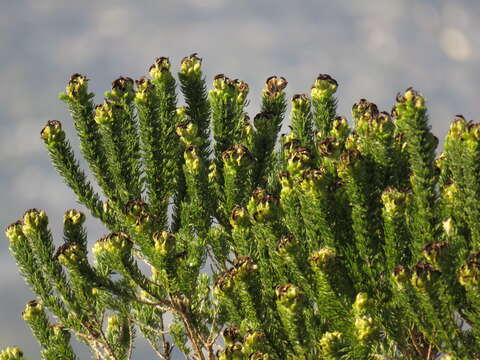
(373, 48)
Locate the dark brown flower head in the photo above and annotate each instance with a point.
(75, 78)
(326, 146)
(122, 83)
(364, 110)
(275, 85)
(286, 242)
(191, 57)
(231, 334)
(134, 208)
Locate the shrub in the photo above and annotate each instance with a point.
(343, 242)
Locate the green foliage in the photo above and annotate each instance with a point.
(343, 242)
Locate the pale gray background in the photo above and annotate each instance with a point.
(373, 48)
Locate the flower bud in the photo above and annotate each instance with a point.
(224, 284)
(298, 160)
(161, 66)
(234, 352)
(187, 130)
(105, 113)
(400, 276)
(394, 201)
(237, 156)
(73, 217)
(323, 259)
(287, 244)
(266, 208)
(258, 355)
(289, 296)
(239, 217)
(364, 111)
(165, 242)
(300, 104)
(323, 87)
(286, 182)
(34, 220)
(212, 172)
(122, 89)
(32, 309)
(191, 65)
(469, 273)
(340, 128)
(135, 208)
(77, 87)
(434, 251)
(360, 304)
(231, 335)
(60, 333)
(332, 343)
(275, 85)
(14, 232)
(144, 90)
(329, 147)
(117, 245)
(71, 255)
(244, 266)
(11, 353)
(254, 339)
(423, 274)
(192, 160)
(349, 161)
(52, 133)
(364, 327)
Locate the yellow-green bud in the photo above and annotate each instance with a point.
(144, 87)
(289, 296)
(115, 244)
(239, 217)
(401, 275)
(324, 86)
(244, 267)
(191, 65)
(237, 156)
(74, 217)
(469, 273)
(122, 89)
(161, 66)
(11, 353)
(70, 255)
(286, 182)
(52, 133)
(340, 128)
(164, 242)
(300, 103)
(104, 113)
(331, 343)
(60, 332)
(364, 111)
(258, 355)
(432, 252)
(14, 232)
(192, 160)
(32, 309)
(394, 201)
(423, 274)
(298, 160)
(323, 259)
(33, 220)
(360, 304)
(448, 226)
(77, 86)
(254, 339)
(231, 335)
(364, 327)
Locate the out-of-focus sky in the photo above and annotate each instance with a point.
(373, 48)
